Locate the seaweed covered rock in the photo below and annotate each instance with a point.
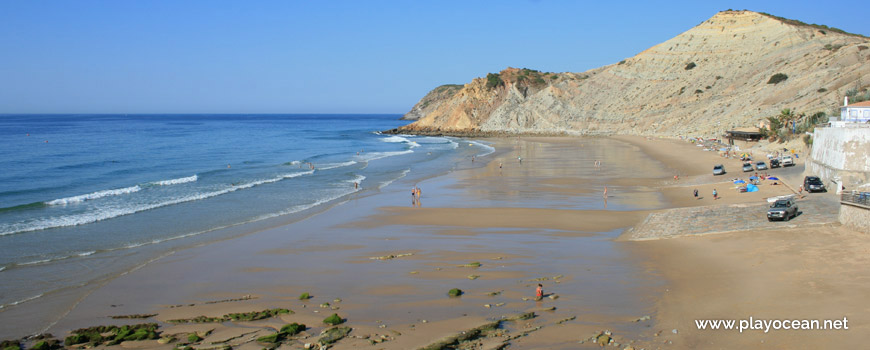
(112, 335)
(333, 335)
(292, 329)
(304, 296)
(455, 292)
(244, 316)
(287, 331)
(193, 338)
(333, 320)
(10, 345)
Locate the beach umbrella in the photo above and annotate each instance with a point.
(751, 188)
(739, 182)
(773, 178)
(753, 177)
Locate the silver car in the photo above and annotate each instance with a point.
(783, 210)
(760, 166)
(718, 169)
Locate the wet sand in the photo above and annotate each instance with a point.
(386, 266)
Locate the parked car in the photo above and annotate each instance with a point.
(747, 167)
(814, 184)
(774, 163)
(783, 210)
(787, 161)
(718, 169)
(760, 166)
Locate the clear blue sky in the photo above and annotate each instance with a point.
(322, 56)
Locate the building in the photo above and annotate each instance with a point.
(856, 112)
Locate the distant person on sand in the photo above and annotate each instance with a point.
(539, 292)
(472, 159)
(715, 194)
(696, 193)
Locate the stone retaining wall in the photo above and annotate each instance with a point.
(854, 217)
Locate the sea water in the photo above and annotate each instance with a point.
(84, 198)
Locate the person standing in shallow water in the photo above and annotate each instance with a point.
(539, 292)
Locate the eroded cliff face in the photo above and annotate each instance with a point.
(431, 101)
(709, 79)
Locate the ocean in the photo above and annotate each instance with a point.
(85, 198)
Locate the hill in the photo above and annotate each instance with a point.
(733, 70)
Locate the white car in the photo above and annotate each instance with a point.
(787, 161)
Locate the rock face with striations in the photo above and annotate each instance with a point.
(711, 78)
(431, 101)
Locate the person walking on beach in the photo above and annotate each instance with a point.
(715, 194)
(539, 292)
(696, 193)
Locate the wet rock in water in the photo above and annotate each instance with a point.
(644, 318)
(499, 304)
(472, 264)
(473, 277)
(271, 338)
(166, 340)
(324, 306)
(566, 320)
(522, 316)
(334, 319)
(603, 339)
(333, 335)
(487, 306)
(10, 345)
(455, 292)
(304, 296)
(336, 300)
(553, 296)
(292, 329)
(193, 338)
(47, 343)
(492, 294)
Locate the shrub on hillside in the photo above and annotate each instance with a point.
(690, 65)
(777, 78)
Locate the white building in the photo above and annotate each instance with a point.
(856, 112)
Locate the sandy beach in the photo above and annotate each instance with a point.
(536, 213)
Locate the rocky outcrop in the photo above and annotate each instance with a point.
(431, 101)
(716, 76)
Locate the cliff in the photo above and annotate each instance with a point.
(431, 101)
(732, 70)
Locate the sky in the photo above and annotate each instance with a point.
(124, 56)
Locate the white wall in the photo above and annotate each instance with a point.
(842, 152)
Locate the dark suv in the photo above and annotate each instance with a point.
(783, 210)
(814, 184)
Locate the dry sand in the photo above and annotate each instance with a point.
(540, 221)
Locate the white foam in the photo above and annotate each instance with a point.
(95, 195)
(34, 262)
(21, 301)
(86, 253)
(380, 155)
(357, 179)
(335, 165)
(2, 268)
(292, 175)
(177, 181)
(395, 138)
(489, 149)
(388, 182)
(108, 213)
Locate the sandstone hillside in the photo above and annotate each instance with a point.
(431, 101)
(716, 76)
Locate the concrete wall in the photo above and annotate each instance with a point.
(856, 218)
(843, 153)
